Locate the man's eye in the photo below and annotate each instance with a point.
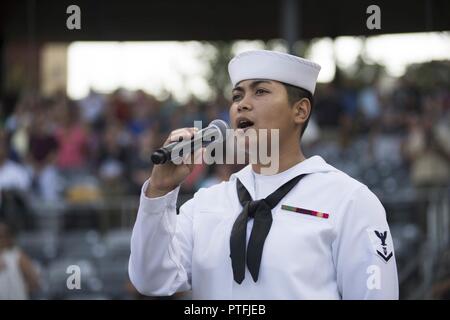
(236, 97)
(260, 91)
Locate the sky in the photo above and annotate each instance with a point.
(177, 67)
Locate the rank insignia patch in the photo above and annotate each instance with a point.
(381, 243)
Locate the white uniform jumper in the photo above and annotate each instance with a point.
(329, 240)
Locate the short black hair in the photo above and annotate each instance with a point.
(295, 94)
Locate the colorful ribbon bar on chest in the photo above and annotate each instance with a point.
(306, 211)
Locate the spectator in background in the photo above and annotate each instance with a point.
(72, 139)
(13, 176)
(144, 113)
(114, 159)
(42, 156)
(92, 107)
(18, 276)
(15, 182)
(211, 113)
(140, 161)
(169, 115)
(427, 148)
(407, 96)
(191, 114)
(217, 109)
(222, 103)
(370, 112)
(174, 120)
(347, 101)
(120, 108)
(328, 108)
(369, 107)
(17, 125)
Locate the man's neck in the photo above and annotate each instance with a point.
(288, 158)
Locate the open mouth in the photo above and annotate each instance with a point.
(244, 124)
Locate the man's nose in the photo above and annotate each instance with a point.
(244, 104)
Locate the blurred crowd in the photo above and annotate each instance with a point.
(57, 150)
(48, 143)
(414, 122)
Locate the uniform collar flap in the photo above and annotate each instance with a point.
(313, 164)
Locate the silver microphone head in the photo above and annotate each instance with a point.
(222, 126)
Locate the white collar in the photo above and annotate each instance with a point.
(311, 165)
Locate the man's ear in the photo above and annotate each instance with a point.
(302, 109)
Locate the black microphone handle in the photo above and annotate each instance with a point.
(162, 155)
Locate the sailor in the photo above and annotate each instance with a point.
(306, 231)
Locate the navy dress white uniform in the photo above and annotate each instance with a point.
(329, 238)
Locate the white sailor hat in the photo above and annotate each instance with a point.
(272, 65)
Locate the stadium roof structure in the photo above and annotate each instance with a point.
(143, 20)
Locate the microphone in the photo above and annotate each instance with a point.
(200, 139)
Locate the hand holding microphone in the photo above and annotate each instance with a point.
(217, 128)
(165, 175)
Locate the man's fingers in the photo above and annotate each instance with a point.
(181, 134)
(186, 134)
(180, 130)
(198, 155)
(195, 158)
(179, 137)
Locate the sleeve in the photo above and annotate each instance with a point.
(363, 251)
(161, 245)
